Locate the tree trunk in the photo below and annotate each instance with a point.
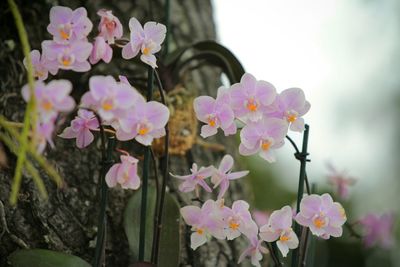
(67, 221)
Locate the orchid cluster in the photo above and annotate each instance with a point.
(51, 99)
(109, 103)
(70, 49)
(266, 115)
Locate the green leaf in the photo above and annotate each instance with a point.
(169, 251)
(132, 222)
(44, 258)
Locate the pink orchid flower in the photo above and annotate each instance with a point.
(254, 251)
(250, 98)
(291, 105)
(124, 173)
(73, 56)
(340, 181)
(260, 217)
(195, 179)
(378, 230)
(67, 25)
(216, 113)
(238, 220)
(40, 66)
(323, 216)
(110, 27)
(51, 98)
(147, 39)
(263, 137)
(81, 128)
(147, 122)
(44, 135)
(111, 100)
(205, 221)
(101, 51)
(279, 229)
(223, 175)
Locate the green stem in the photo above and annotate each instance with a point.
(102, 221)
(303, 160)
(30, 114)
(145, 176)
(160, 204)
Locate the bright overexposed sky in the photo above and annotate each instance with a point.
(343, 54)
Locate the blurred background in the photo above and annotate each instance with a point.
(344, 55)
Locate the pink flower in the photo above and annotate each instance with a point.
(195, 179)
(379, 230)
(279, 228)
(291, 105)
(215, 113)
(260, 217)
(44, 135)
(146, 122)
(263, 137)
(73, 56)
(340, 181)
(110, 27)
(323, 216)
(51, 98)
(111, 100)
(238, 220)
(250, 98)
(223, 175)
(124, 173)
(205, 221)
(254, 251)
(147, 39)
(101, 50)
(40, 66)
(67, 25)
(80, 128)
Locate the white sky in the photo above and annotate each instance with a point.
(341, 53)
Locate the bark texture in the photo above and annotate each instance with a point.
(66, 222)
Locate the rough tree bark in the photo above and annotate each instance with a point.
(66, 222)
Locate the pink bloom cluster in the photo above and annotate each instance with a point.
(120, 106)
(378, 230)
(340, 180)
(124, 173)
(219, 177)
(51, 99)
(146, 39)
(266, 115)
(70, 49)
(213, 219)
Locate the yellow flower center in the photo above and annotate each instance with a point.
(64, 35)
(107, 106)
(234, 225)
(200, 231)
(146, 51)
(39, 74)
(47, 105)
(212, 121)
(265, 145)
(342, 212)
(143, 130)
(291, 118)
(252, 105)
(284, 238)
(66, 61)
(319, 223)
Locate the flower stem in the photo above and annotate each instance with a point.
(164, 166)
(102, 221)
(30, 113)
(302, 157)
(145, 176)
